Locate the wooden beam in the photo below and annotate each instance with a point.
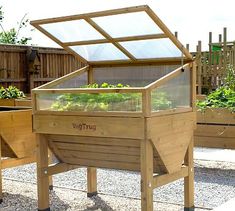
(120, 39)
(89, 90)
(58, 168)
(164, 179)
(166, 78)
(91, 181)
(171, 36)
(15, 80)
(63, 78)
(189, 180)
(146, 157)
(60, 43)
(1, 141)
(157, 61)
(13, 162)
(91, 15)
(108, 37)
(42, 179)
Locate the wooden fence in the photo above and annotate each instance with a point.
(212, 64)
(27, 67)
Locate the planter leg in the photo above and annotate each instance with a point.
(146, 175)
(42, 177)
(91, 182)
(50, 161)
(0, 170)
(189, 180)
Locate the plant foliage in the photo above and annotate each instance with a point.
(11, 93)
(107, 101)
(12, 36)
(222, 97)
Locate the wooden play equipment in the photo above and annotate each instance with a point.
(17, 141)
(139, 134)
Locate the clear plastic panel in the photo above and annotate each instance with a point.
(75, 82)
(105, 102)
(131, 24)
(173, 94)
(70, 31)
(155, 48)
(99, 52)
(135, 76)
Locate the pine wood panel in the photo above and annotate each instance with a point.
(90, 126)
(16, 132)
(94, 150)
(216, 116)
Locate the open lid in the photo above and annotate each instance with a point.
(128, 35)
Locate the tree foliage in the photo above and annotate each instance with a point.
(12, 36)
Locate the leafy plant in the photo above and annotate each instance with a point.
(11, 93)
(224, 96)
(108, 101)
(12, 36)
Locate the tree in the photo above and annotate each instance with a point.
(12, 36)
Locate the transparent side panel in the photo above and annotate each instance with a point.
(70, 31)
(173, 94)
(155, 48)
(105, 102)
(135, 76)
(131, 24)
(75, 82)
(99, 52)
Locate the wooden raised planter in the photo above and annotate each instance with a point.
(17, 141)
(131, 135)
(215, 129)
(16, 102)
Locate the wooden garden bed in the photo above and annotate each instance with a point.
(145, 127)
(16, 102)
(215, 128)
(17, 141)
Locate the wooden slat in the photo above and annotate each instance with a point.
(62, 79)
(215, 131)
(164, 28)
(13, 162)
(90, 15)
(167, 77)
(164, 179)
(119, 39)
(90, 126)
(216, 116)
(215, 142)
(108, 37)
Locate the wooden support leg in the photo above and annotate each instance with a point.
(0, 170)
(91, 181)
(189, 180)
(146, 152)
(50, 161)
(42, 177)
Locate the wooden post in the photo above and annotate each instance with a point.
(0, 170)
(225, 49)
(42, 177)
(91, 181)
(208, 75)
(50, 161)
(146, 153)
(199, 67)
(189, 180)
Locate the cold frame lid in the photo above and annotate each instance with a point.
(126, 35)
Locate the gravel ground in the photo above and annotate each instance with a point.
(119, 190)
